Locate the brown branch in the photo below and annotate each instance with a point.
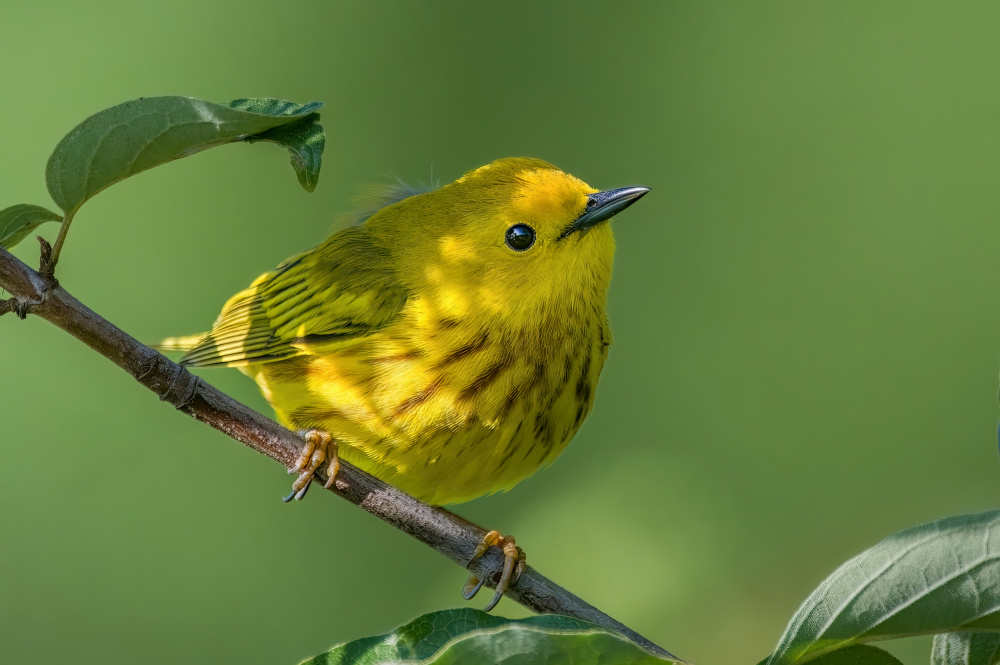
(443, 531)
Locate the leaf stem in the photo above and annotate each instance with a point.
(48, 268)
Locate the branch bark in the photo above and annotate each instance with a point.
(440, 529)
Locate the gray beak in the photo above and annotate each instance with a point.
(604, 205)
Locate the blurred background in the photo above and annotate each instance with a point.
(805, 309)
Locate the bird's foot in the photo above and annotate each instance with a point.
(513, 566)
(319, 447)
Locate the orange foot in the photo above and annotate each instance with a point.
(513, 566)
(319, 447)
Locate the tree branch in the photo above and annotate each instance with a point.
(443, 531)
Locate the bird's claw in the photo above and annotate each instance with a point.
(513, 565)
(319, 447)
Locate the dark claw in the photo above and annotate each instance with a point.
(297, 495)
(493, 603)
(468, 593)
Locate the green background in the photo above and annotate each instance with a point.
(805, 310)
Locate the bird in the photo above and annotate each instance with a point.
(448, 342)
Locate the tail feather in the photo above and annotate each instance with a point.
(185, 343)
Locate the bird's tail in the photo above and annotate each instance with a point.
(185, 343)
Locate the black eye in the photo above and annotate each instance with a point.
(520, 237)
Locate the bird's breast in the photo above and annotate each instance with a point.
(447, 411)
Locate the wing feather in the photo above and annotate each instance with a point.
(338, 293)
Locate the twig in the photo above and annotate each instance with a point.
(445, 532)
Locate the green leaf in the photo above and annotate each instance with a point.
(966, 649)
(458, 636)
(857, 654)
(132, 137)
(17, 221)
(935, 578)
(304, 138)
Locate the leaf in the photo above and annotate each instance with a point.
(132, 137)
(966, 649)
(18, 221)
(935, 578)
(458, 636)
(857, 654)
(304, 139)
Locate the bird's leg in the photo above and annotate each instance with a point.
(513, 566)
(319, 447)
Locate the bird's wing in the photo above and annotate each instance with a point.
(326, 298)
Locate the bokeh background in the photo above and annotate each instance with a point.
(806, 313)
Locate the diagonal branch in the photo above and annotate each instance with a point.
(443, 531)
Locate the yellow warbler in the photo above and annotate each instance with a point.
(449, 344)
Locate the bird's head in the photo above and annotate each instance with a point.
(516, 238)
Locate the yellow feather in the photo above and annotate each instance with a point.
(440, 357)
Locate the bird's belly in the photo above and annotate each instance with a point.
(441, 437)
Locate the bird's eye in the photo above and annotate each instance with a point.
(520, 237)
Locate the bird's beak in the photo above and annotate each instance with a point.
(604, 205)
